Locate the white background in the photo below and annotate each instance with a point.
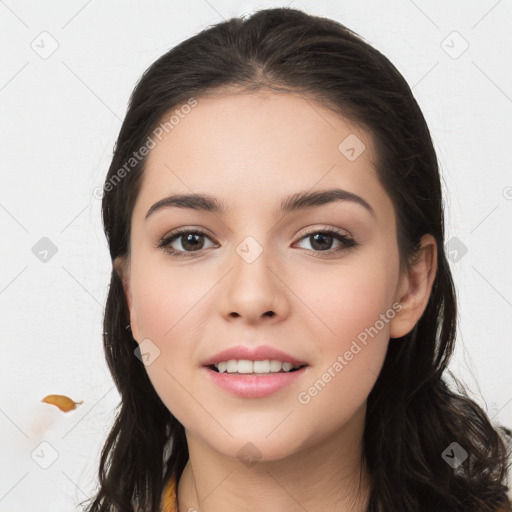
(60, 116)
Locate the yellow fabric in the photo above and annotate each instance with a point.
(169, 496)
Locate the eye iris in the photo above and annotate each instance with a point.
(323, 237)
(188, 240)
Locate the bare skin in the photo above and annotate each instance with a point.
(252, 151)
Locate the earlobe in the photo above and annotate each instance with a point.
(415, 286)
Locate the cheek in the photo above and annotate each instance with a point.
(166, 300)
(348, 360)
(342, 302)
(173, 309)
(354, 306)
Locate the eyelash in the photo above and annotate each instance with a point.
(173, 235)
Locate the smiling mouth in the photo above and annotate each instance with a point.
(214, 368)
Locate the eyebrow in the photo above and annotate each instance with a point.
(294, 202)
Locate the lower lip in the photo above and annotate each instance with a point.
(254, 386)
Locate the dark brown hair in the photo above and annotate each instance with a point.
(412, 414)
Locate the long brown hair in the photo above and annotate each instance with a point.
(412, 414)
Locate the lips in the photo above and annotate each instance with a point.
(260, 353)
(256, 386)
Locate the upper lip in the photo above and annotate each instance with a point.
(260, 353)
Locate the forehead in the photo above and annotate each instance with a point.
(251, 149)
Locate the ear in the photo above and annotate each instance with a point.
(122, 267)
(414, 288)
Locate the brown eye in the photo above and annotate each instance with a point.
(191, 241)
(181, 243)
(321, 241)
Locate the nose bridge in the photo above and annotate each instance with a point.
(252, 249)
(255, 236)
(254, 261)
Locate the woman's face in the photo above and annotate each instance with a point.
(333, 301)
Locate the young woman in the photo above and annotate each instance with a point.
(281, 311)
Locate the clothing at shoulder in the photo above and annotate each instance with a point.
(169, 496)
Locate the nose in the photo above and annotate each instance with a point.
(253, 290)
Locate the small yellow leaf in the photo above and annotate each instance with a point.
(64, 403)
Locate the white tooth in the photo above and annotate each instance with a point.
(245, 366)
(248, 366)
(232, 366)
(275, 365)
(262, 366)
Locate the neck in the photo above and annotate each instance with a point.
(326, 475)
